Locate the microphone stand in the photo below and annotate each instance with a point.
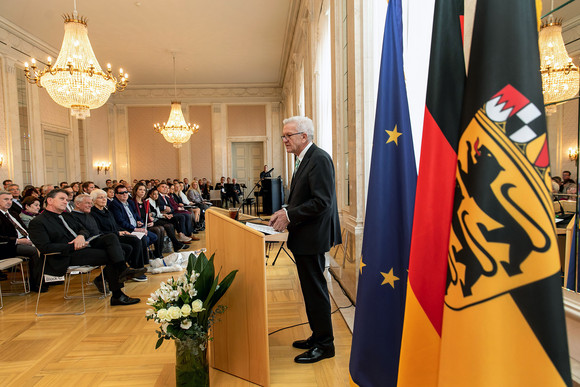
(245, 198)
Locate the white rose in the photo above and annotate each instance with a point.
(185, 310)
(197, 306)
(174, 312)
(185, 324)
(162, 314)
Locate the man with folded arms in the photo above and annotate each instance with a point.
(55, 231)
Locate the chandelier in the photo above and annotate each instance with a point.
(559, 75)
(76, 80)
(176, 130)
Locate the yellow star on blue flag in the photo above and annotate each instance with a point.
(394, 136)
(390, 278)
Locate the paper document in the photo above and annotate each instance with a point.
(138, 234)
(262, 228)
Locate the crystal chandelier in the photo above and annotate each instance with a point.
(76, 80)
(176, 130)
(559, 75)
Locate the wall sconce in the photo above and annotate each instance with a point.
(103, 166)
(573, 154)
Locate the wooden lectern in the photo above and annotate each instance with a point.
(240, 343)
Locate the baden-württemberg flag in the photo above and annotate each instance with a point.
(503, 322)
(383, 269)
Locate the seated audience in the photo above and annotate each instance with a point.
(30, 191)
(167, 221)
(82, 214)
(56, 231)
(195, 197)
(126, 216)
(181, 199)
(71, 195)
(110, 194)
(142, 207)
(14, 189)
(31, 209)
(15, 240)
(107, 225)
(167, 206)
(87, 187)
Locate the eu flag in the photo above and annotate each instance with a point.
(380, 300)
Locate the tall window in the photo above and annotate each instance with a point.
(26, 162)
(324, 82)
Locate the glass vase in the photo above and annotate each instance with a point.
(191, 364)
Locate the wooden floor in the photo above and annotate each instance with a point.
(114, 346)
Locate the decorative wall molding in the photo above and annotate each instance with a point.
(19, 44)
(144, 95)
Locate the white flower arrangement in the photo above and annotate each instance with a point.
(185, 306)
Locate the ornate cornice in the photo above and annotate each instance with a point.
(154, 95)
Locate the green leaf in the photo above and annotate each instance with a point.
(205, 280)
(200, 263)
(211, 292)
(223, 287)
(159, 342)
(191, 261)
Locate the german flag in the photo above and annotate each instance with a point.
(419, 359)
(503, 320)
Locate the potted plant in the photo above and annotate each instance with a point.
(185, 307)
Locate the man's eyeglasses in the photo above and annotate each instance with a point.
(123, 193)
(287, 136)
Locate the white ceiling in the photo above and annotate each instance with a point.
(217, 42)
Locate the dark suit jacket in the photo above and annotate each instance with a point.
(49, 235)
(314, 226)
(8, 235)
(87, 221)
(121, 217)
(105, 221)
(16, 208)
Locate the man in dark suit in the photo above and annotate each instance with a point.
(54, 230)
(14, 189)
(311, 218)
(14, 239)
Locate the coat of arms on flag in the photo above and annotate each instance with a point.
(498, 237)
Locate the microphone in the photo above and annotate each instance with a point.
(247, 196)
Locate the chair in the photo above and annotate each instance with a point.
(215, 195)
(70, 272)
(8, 263)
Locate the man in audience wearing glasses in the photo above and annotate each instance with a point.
(55, 231)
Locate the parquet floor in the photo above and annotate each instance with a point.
(114, 346)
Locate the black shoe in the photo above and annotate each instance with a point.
(124, 300)
(315, 354)
(303, 344)
(99, 284)
(194, 232)
(129, 273)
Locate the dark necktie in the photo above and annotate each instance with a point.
(16, 225)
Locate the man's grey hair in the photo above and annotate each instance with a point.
(80, 197)
(4, 192)
(303, 124)
(97, 192)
